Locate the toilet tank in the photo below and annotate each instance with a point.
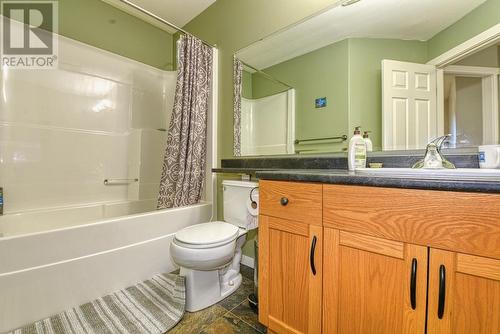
(235, 196)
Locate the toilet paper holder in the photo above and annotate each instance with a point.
(254, 204)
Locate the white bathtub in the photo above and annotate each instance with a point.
(51, 260)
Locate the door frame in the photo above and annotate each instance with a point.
(489, 78)
(477, 43)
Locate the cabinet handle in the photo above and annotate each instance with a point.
(311, 257)
(284, 201)
(442, 291)
(413, 284)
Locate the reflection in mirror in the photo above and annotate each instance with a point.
(470, 95)
(394, 67)
(267, 114)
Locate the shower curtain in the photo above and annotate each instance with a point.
(184, 165)
(237, 77)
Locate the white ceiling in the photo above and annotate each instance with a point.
(397, 19)
(178, 12)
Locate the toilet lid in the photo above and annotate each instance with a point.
(207, 233)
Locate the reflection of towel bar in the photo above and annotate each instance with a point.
(114, 182)
(342, 138)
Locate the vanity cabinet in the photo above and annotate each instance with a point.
(290, 257)
(386, 260)
(471, 299)
(373, 285)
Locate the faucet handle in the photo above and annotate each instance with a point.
(439, 141)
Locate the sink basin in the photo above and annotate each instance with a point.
(459, 173)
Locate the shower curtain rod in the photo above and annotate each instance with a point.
(156, 17)
(264, 74)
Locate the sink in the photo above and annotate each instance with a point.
(459, 173)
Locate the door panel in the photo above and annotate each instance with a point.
(472, 294)
(367, 285)
(289, 292)
(409, 116)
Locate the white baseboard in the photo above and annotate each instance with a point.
(248, 261)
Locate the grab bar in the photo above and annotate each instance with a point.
(342, 138)
(115, 182)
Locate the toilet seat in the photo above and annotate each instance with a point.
(207, 235)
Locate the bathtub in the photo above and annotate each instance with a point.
(54, 259)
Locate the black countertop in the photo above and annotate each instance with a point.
(350, 178)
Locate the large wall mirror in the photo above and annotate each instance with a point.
(406, 71)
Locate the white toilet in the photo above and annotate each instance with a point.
(209, 254)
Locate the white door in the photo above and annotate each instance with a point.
(409, 105)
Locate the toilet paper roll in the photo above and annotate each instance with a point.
(251, 210)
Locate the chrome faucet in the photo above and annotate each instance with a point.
(433, 157)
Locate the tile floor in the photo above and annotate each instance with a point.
(231, 315)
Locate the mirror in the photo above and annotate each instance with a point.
(265, 102)
(405, 71)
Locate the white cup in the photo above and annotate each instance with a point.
(489, 156)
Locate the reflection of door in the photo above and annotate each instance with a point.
(470, 105)
(409, 112)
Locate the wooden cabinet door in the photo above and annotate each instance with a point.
(290, 276)
(464, 294)
(372, 285)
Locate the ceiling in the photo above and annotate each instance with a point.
(178, 12)
(395, 19)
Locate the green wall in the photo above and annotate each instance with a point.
(477, 21)
(262, 86)
(321, 73)
(246, 85)
(101, 25)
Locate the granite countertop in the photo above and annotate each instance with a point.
(350, 178)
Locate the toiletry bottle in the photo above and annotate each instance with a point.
(368, 141)
(357, 151)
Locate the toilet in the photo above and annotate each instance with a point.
(209, 254)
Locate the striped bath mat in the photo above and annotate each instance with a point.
(153, 306)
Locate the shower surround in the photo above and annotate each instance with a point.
(63, 132)
(65, 236)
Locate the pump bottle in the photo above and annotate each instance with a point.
(357, 151)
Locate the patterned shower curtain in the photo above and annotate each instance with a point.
(184, 165)
(237, 77)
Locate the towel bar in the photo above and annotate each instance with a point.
(114, 182)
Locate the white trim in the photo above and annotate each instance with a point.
(489, 75)
(475, 44)
(471, 71)
(248, 261)
(215, 112)
(440, 101)
(490, 110)
(291, 122)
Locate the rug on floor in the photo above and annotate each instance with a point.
(153, 306)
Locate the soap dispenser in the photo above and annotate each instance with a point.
(368, 141)
(357, 151)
